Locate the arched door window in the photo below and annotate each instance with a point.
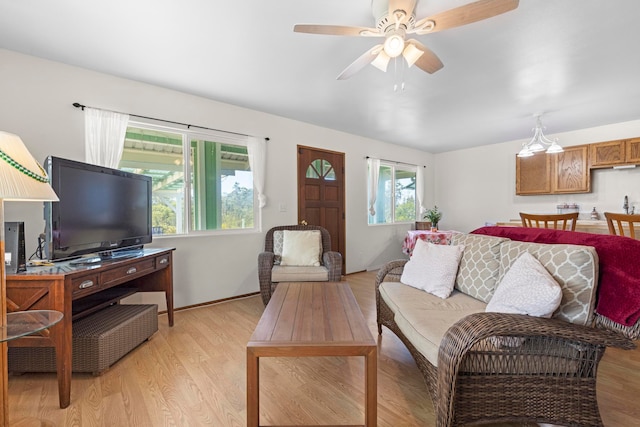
(321, 169)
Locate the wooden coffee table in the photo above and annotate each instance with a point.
(311, 319)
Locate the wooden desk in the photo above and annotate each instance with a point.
(312, 319)
(77, 291)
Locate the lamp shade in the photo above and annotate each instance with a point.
(21, 176)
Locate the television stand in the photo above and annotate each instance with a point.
(77, 290)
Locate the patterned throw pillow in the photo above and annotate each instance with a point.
(277, 246)
(432, 268)
(479, 267)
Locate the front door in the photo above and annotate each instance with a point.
(321, 193)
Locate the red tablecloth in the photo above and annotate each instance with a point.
(441, 237)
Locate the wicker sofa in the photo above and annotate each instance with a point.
(549, 378)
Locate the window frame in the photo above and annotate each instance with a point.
(394, 166)
(188, 170)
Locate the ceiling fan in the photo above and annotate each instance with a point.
(395, 19)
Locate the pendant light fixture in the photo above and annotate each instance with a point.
(539, 142)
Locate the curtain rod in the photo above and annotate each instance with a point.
(394, 161)
(82, 107)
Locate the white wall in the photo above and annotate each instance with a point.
(36, 105)
(477, 185)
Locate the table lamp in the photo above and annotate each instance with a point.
(21, 179)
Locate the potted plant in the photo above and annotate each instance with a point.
(434, 216)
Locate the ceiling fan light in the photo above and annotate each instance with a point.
(381, 61)
(394, 45)
(411, 54)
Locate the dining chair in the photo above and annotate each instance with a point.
(619, 223)
(550, 220)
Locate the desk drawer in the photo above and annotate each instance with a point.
(163, 261)
(85, 285)
(126, 272)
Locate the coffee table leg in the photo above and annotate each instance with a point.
(371, 388)
(253, 390)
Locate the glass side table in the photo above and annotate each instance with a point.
(22, 323)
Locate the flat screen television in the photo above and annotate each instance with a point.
(101, 210)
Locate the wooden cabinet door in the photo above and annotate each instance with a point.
(570, 170)
(633, 151)
(533, 174)
(607, 154)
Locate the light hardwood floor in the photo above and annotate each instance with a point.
(194, 375)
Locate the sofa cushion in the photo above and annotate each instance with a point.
(479, 266)
(425, 318)
(574, 267)
(432, 268)
(281, 273)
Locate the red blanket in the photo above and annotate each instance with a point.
(619, 281)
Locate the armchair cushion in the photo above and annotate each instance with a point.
(301, 248)
(299, 274)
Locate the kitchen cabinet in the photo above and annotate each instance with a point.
(560, 173)
(570, 171)
(533, 174)
(614, 153)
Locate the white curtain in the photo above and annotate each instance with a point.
(104, 136)
(257, 150)
(420, 190)
(374, 174)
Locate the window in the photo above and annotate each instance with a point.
(395, 200)
(200, 181)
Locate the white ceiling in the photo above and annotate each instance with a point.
(577, 61)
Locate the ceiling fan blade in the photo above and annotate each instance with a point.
(464, 15)
(364, 60)
(407, 6)
(428, 61)
(337, 30)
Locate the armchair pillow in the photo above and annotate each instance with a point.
(433, 268)
(301, 248)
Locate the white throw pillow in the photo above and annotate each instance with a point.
(301, 247)
(527, 288)
(433, 268)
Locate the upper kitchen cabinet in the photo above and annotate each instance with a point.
(560, 173)
(615, 153)
(570, 170)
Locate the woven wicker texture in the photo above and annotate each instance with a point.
(330, 259)
(549, 378)
(99, 340)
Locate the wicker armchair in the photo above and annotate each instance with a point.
(550, 378)
(330, 268)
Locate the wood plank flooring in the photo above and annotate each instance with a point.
(194, 375)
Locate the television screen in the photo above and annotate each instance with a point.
(100, 210)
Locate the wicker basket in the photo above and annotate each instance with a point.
(99, 340)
